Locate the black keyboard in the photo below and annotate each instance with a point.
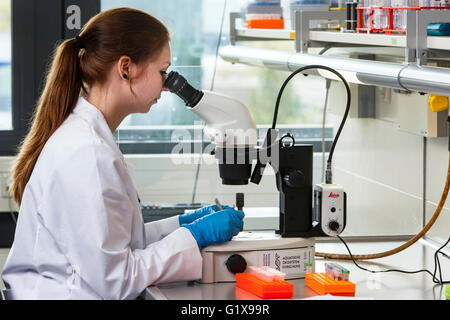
(155, 211)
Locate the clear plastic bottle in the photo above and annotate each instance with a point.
(435, 3)
(400, 14)
(286, 12)
(366, 13)
(380, 16)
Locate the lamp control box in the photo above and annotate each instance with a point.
(330, 208)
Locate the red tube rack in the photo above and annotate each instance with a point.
(390, 29)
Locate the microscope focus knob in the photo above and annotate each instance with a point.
(333, 225)
(294, 179)
(236, 263)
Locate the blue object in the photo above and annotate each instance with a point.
(217, 227)
(194, 215)
(309, 2)
(259, 3)
(438, 29)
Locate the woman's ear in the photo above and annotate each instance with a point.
(124, 67)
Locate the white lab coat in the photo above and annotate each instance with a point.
(80, 233)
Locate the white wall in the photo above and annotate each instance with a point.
(381, 161)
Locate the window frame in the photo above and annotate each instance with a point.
(36, 27)
(138, 140)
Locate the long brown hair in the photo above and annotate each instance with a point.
(76, 66)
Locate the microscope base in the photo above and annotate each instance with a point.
(289, 255)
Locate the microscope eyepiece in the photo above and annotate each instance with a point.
(178, 84)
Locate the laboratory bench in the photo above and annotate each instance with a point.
(376, 286)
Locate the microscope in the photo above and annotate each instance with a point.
(304, 212)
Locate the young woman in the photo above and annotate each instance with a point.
(80, 233)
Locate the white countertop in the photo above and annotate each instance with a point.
(379, 286)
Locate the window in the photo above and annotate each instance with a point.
(198, 28)
(29, 30)
(5, 65)
(194, 28)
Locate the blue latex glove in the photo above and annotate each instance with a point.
(194, 215)
(217, 227)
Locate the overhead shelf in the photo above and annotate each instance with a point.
(418, 46)
(442, 43)
(275, 34)
(433, 42)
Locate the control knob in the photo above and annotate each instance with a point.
(294, 179)
(333, 225)
(236, 263)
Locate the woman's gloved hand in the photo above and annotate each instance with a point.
(194, 215)
(217, 227)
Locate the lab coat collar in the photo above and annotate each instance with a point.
(96, 119)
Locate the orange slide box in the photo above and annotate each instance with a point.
(264, 289)
(265, 24)
(324, 284)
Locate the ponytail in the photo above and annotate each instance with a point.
(61, 92)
